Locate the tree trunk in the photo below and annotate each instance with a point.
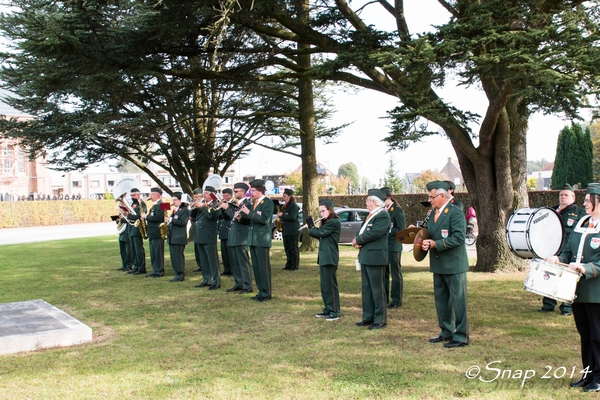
(306, 120)
(496, 181)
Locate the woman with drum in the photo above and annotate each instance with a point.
(329, 235)
(583, 255)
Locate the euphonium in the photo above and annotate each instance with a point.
(121, 226)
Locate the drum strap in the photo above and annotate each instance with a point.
(584, 232)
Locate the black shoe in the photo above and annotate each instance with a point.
(437, 339)
(226, 274)
(178, 278)
(150, 275)
(286, 269)
(244, 291)
(133, 271)
(393, 306)
(322, 315)
(263, 298)
(197, 270)
(592, 387)
(202, 284)
(566, 313)
(580, 383)
(233, 289)
(454, 343)
(127, 269)
(158, 275)
(214, 287)
(363, 323)
(139, 272)
(546, 310)
(377, 326)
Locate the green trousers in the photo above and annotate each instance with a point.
(373, 294)
(397, 280)
(261, 265)
(177, 253)
(450, 292)
(157, 255)
(209, 262)
(329, 290)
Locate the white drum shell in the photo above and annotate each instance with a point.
(534, 232)
(552, 280)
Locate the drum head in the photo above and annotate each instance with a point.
(407, 236)
(545, 233)
(418, 252)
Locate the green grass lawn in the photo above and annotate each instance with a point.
(154, 339)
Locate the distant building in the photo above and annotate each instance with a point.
(543, 176)
(21, 178)
(408, 185)
(452, 173)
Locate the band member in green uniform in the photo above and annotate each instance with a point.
(260, 215)
(223, 223)
(583, 255)
(194, 214)
(569, 213)
(177, 239)
(372, 240)
(138, 252)
(398, 223)
(454, 200)
(329, 255)
(154, 218)
(237, 241)
(449, 263)
(124, 245)
(205, 237)
(291, 225)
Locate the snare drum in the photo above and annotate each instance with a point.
(552, 280)
(534, 232)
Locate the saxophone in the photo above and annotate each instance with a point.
(141, 224)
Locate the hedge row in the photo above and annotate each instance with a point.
(16, 214)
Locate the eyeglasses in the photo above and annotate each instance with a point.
(587, 201)
(431, 198)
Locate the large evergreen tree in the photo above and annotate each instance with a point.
(526, 56)
(391, 178)
(574, 158)
(561, 171)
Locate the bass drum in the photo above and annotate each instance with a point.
(534, 232)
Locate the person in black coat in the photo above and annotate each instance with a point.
(177, 239)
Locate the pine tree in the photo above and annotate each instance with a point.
(391, 178)
(559, 173)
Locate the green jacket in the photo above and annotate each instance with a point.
(259, 234)
(588, 287)
(223, 223)
(374, 240)
(450, 253)
(154, 218)
(178, 227)
(205, 231)
(238, 234)
(458, 203)
(139, 208)
(398, 223)
(568, 218)
(329, 236)
(289, 217)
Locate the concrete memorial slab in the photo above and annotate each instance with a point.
(34, 325)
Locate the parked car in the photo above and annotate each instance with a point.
(351, 219)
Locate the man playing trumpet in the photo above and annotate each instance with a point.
(205, 239)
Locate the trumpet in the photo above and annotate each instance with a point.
(309, 219)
